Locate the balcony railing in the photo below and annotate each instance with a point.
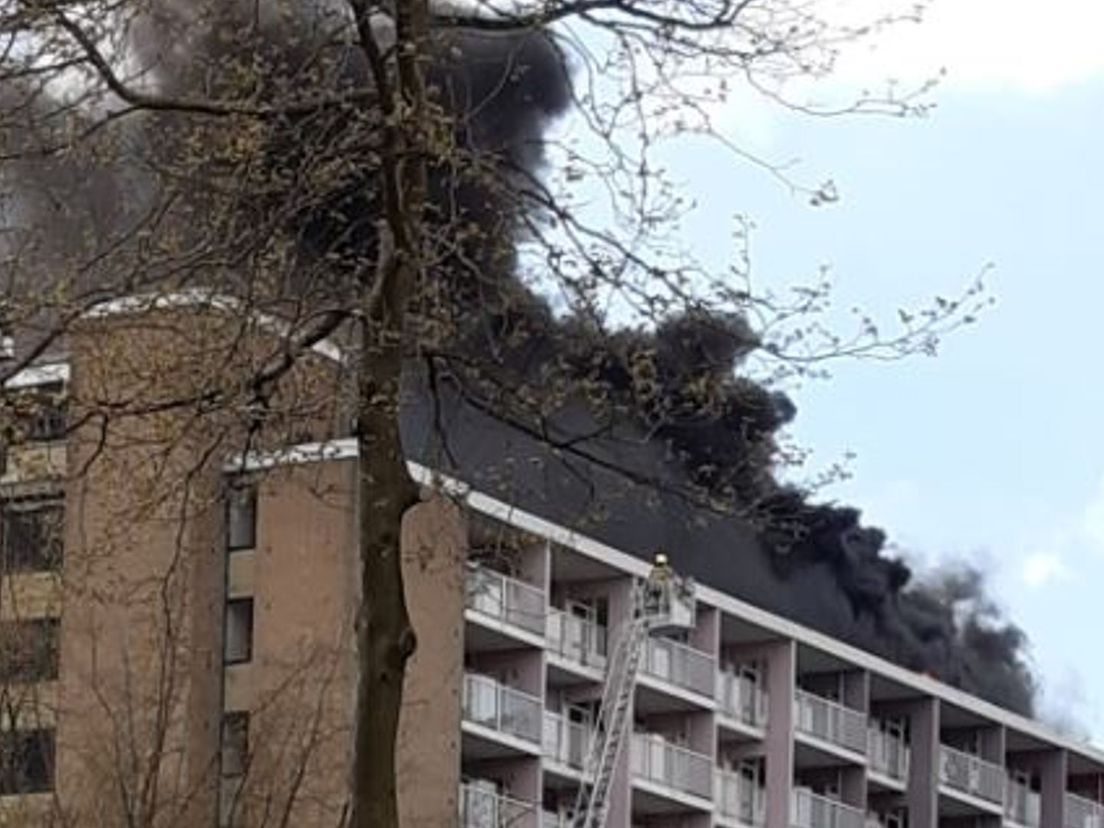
(971, 774)
(1022, 805)
(1083, 813)
(550, 819)
(739, 798)
(498, 707)
(506, 599)
(810, 810)
(742, 698)
(484, 808)
(564, 741)
(886, 753)
(658, 760)
(679, 664)
(830, 721)
(576, 638)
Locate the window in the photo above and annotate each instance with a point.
(29, 650)
(26, 761)
(47, 418)
(241, 516)
(239, 631)
(31, 535)
(235, 743)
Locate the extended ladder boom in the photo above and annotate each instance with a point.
(662, 601)
(609, 734)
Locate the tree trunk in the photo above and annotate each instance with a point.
(385, 639)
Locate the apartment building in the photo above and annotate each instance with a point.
(742, 719)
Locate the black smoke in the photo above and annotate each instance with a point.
(659, 426)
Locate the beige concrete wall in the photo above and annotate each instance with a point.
(434, 542)
(140, 629)
(299, 687)
(300, 682)
(143, 689)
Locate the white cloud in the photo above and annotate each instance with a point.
(1042, 568)
(1011, 43)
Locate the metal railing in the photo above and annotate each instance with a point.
(830, 721)
(506, 599)
(1083, 813)
(658, 760)
(550, 819)
(576, 638)
(739, 798)
(494, 705)
(886, 753)
(564, 741)
(971, 774)
(810, 810)
(484, 808)
(679, 664)
(742, 698)
(1022, 805)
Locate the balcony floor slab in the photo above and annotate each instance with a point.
(480, 742)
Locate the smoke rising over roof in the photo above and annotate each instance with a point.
(656, 428)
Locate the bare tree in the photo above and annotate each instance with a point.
(373, 185)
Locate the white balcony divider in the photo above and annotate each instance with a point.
(742, 698)
(971, 774)
(830, 721)
(506, 599)
(482, 807)
(494, 705)
(658, 760)
(1022, 805)
(564, 741)
(886, 753)
(1083, 813)
(576, 638)
(810, 810)
(679, 664)
(737, 797)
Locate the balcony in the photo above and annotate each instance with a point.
(830, 722)
(739, 800)
(483, 807)
(1083, 813)
(663, 763)
(680, 665)
(492, 706)
(550, 819)
(502, 600)
(810, 810)
(576, 640)
(566, 743)
(971, 775)
(741, 698)
(1022, 806)
(887, 754)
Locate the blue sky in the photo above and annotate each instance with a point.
(992, 451)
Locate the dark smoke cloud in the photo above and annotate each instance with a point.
(701, 430)
(666, 405)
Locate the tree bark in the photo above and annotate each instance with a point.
(385, 638)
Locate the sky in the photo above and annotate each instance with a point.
(991, 452)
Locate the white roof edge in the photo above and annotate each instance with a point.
(45, 373)
(143, 303)
(346, 449)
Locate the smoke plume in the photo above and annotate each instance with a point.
(663, 414)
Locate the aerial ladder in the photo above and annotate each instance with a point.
(662, 602)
